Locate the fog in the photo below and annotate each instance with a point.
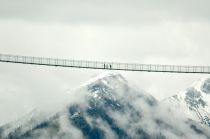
(162, 32)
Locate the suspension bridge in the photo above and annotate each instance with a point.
(103, 65)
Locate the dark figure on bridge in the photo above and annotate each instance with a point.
(110, 66)
(104, 66)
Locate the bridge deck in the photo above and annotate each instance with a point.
(103, 65)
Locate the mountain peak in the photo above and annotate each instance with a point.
(106, 77)
(111, 109)
(194, 101)
(205, 87)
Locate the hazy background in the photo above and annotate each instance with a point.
(153, 32)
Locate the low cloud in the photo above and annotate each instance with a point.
(130, 113)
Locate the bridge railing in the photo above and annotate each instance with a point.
(103, 65)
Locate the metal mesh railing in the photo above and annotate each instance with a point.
(103, 65)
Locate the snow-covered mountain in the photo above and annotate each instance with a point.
(107, 107)
(194, 102)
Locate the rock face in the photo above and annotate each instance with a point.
(206, 86)
(109, 108)
(194, 101)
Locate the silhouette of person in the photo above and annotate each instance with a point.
(104, 66)
(110, 66)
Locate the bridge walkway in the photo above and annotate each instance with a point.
(103, 65)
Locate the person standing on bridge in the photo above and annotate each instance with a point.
(110, 66)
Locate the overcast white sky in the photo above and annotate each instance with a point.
(162, 32)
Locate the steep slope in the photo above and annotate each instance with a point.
(108, 107)
(194, 101)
